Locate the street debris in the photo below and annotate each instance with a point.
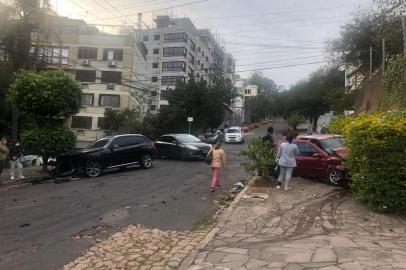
(25, 225)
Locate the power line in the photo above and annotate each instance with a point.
(281, 60)
(284, 66)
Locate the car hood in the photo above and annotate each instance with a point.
(83, 151)
(200, 145)
(341, 152)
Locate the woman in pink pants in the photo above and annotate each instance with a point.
(219, 161)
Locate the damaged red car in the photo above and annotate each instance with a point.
(322, 156)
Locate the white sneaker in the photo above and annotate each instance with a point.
(22, 177)
(278, 187)
(12, 178)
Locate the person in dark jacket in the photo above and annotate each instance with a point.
(15, 162)
(269, 136)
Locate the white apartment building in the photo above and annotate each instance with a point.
(250, 91)
(109, 62)
(177, 50)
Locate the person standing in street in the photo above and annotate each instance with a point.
(269, 136)
(286, 159)
(309, 130)
(219, 161)
(15, 162)
(3, 153)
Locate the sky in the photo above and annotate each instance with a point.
(285, 39)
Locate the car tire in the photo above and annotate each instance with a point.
(146, 161)
(335, 178)
(93, 169)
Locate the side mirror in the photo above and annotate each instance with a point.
(317, 155)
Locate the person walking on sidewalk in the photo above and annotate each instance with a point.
(15, 162)
(219, 161)
(3, 153)
(286, 159)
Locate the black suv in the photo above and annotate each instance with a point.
(109, 152)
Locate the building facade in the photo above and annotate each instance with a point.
(177, 51)
(109, 62)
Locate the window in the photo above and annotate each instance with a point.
(53, 55)
(174, 51)
(134, 140)
(157, 37)
(113, 54)
(145, 38)
(192, 45)
(119, 141)
(101, 123)
(87, 99)
(154, 79)
(173, 66)
(87, 53)
(155, 65)
(155, 51)
(81, 122)
(109, 100)
(248, 91)
(111, 77)
(153, 107)
(86, 75)
(154, 93)
(170, 80)
(168, 139)
(175, 37)
(306, 149)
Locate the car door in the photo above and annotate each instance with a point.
(135, 148)
(162, 145)
(119, 151)
(173, 148)
(309, 164)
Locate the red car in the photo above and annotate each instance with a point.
(321, 156)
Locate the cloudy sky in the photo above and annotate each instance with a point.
(283, 38)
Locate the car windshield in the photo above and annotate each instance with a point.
(99, 143)
(233, 130)
(187, 138)
(332, 144)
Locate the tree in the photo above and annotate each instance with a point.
(50, 97)
(125, 121)
(367, 29)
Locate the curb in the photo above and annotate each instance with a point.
(209, 236)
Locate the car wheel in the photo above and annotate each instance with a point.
(93, 168)
(146, 161)
(335, 178)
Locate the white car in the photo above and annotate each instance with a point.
(234, 135)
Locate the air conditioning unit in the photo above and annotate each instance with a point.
(86, 62)
(110, 86)
(112, 63)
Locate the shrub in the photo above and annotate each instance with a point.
(338, 125)
(48, 142)
(377, 158)
(261, 157)
(295, 119)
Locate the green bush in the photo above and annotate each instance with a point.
(295, 119)
(261, 157)
(377, 146)
(48, 142)
(338, 125)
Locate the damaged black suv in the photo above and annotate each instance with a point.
(109, 152)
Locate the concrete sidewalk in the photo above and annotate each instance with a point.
(313, 226)
(28, 172)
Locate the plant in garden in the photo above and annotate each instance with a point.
(261, 157)
(377, 158)
(394, 90)
(337, 125)
(48, 143)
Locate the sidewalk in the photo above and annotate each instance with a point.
(28, 172)
(313, 226)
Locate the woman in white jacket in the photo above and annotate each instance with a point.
(286, 159)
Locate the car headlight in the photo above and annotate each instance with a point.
(191, 147)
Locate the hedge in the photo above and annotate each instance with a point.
(377, 160)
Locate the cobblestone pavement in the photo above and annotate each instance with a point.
(313, 226)
(138, 247)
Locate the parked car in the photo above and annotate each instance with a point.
(213, 137)
(234, 135)
(181, 146)
(118, 151)
(321, 156)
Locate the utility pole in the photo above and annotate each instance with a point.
(383, 57)
(404, 33)
(370, 62)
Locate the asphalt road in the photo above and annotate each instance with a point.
(46, 226)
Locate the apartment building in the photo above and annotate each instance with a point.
(177, 50)
(250, 91)
(108, 61)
